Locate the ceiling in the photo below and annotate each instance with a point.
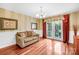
(31, 9)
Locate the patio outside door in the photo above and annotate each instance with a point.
(54, 30)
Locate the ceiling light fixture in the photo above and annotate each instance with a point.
(41, 14)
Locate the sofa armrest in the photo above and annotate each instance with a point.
(20, 41)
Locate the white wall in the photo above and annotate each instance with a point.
(7, 38)
(39, 32)
(78, 33)
(71, 34)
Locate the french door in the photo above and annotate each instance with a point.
(55, 30)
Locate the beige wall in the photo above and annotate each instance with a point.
(78, 20)
(54, 18)
(39, 24)
(24, 21)
(74, 19)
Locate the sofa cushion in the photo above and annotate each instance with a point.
(22, 34)
(29, 33)
(28, 39)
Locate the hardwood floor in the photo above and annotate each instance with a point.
(43, 47)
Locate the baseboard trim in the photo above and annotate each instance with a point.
(10, 44)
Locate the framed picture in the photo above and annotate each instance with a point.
(33, 26)
(8, 24)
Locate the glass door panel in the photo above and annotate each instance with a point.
(58, 30)
(49, 29)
